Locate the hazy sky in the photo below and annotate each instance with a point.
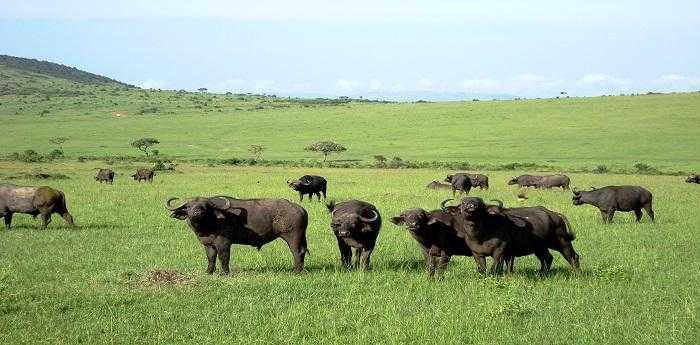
(524, 48)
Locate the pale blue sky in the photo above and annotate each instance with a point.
(532, 49)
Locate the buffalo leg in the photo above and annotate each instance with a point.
(297, 245)
(604, 215)
(358, 254)
(345, 253)
(650, 211)
(223, 251)
(301, 197)
(545, 260)
(497, 265)
(318, 195)
(364, 260)
(611, 213)
(45, 219)
(638, 215)
(324, 193)
(430, 264)
(480, 263)
(509, 264)
(211, 258)
(8, 220)
(443, 260)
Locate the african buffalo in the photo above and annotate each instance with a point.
(548, 181)
(42, 201)
(218, 222)
(460, 183)
(355, 224)
(477, 180)
(143, 174)
(693, 179)
(435, 235)
(105, 175)
(438, 185)
(616, 198)
(309, 184)
(503, 234)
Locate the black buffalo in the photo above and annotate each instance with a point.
(503, 234)
(438, 185)
(434, 232)
(356, 225)
(105, 175)
(309, 184)
(460, 183)
(43, 201)
(616, 198)
(548, 181)
(693, 179)
(218, 222)
(143, 174)
(477, 180)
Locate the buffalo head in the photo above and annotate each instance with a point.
(414, 219)
(297, 184)
(199, 208)
(449, 178)
(346, 223)
(512, 181)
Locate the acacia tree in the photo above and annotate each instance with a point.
(326, 148)
(144, 144)
(256, 150)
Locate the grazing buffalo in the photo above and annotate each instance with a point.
(438, 185)
(503, 234)
(616, 198)
(356, 225)
(435, 235)
(309, 184)
(143, 174)
(460, 183)
(549, 181)
(105, 175)
(477, 180)
(221, 221)
(43, 201)
(693, 179)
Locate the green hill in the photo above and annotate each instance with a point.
(660, 130)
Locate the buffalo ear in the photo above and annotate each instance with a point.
(493, 210)
(398, 220)
(433, 221)
(453, 210)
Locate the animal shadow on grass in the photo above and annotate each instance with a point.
(533, 273)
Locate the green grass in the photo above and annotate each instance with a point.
(639, 283)
(571, 133)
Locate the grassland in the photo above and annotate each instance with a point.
(639, 283)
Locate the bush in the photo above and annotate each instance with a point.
(644, 168)
(56, 153)
(601, 169)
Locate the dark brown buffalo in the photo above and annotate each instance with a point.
(105, 175)
(548, 181)
(143, 174)
(435, 235)
(460, 183)
(477, 180)
(503, 234)
(43, 201)
(356, 225)
(221, 221)
(309, 184)
(693, 179)
(616, 198)
(438, 185)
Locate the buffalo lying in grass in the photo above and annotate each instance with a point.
(356, 225)
(309, 185)
(438, 185)
(693, 179)
(435, 235)
(43, 201)
(221, 221)
(105, 175)
(548, 181)
(504, 234)
(616, 198)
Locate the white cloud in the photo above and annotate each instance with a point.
(232, 84)
(602, 79)
(425, 84)
(345, 85)
(375, 85)
(263, 85)
(152, 84)
(480, 85)
(676, 79)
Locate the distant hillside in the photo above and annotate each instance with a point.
(22, 76)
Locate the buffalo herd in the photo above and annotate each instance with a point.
(471, 227)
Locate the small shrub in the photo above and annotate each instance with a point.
(601, 169)
(644, 168)
(55, 154)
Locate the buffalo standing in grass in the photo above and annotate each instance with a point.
(42, 201)
(503, 234)
(143, 174)
(460, 183)
(477, 180)
(693, 179)
(221, 221)
(435, 235)
(105, 175)
(438, 185)
(549, 181)
(356, 225)
(616, 198)
(310, 185)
